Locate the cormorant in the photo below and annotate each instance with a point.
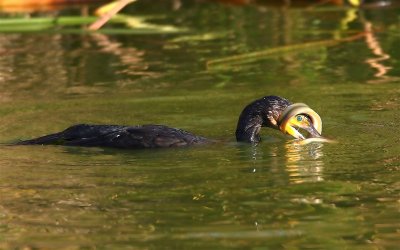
(270, 111)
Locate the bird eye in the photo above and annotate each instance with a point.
(299, 118)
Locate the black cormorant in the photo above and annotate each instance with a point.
(270, 111)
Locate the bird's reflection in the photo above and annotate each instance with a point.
(303, 162)
(290, 161)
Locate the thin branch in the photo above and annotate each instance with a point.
(119, 5)
(258, 55)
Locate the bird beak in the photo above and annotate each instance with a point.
(293, 132)
(288, 123)
(312, 131)
(307, 126)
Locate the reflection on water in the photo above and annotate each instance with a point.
(131, 59)
(304, 163)
(373, 43)
(381, 56)
(25, 65)
(78, 66)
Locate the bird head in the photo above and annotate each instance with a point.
(297, 118)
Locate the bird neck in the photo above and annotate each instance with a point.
(263, 112)
(248, 128)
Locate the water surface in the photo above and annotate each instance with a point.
(226, 195)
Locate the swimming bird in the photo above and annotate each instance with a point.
(269, 111)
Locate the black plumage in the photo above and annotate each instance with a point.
(263, 112)
(146, 136)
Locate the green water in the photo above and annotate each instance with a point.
(221, 196)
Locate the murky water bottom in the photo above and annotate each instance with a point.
(278, 194)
